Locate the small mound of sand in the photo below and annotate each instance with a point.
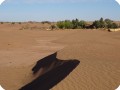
(50, 71)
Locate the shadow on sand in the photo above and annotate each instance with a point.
(51, 71)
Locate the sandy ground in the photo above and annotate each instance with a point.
(98, 52)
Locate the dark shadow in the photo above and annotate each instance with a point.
(109, 30)
(44, 62)
(54, 71)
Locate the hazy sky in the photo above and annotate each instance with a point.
(54, 10)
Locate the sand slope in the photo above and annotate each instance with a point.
(98, 52)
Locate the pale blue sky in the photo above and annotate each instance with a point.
(54, 10)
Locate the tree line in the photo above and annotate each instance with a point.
(81, 24)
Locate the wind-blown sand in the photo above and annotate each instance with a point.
(98, 52)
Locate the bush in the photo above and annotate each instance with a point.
(96, 24)
(99, 23)
(82, 24)
(108, 23)
(1, 22)
(53, 27)
(60, 24)
(65, 24)
(114, 25)
(48, 22)
(13, 23)
(19, 23)
(102, 23)
(68, 24)
(74, 24)
(111, 24)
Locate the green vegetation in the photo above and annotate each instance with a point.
(107, 23)
(80, 24)
(99, 23)
(74, 24)
(13, 23)
(53, 27)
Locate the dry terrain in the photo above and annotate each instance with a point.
(98, 52)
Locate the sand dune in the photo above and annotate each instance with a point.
(50, 71)
(98, 52)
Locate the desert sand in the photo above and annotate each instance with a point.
(97, 50)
